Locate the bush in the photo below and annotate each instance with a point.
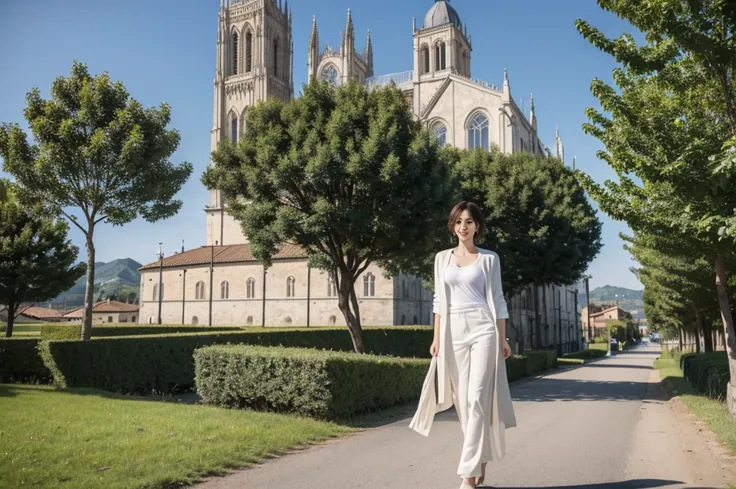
(516, 367)
(586, 354)
(307, 382)
(164, 363)
(20, 361)
(74, 331)
(536, 361)
(708, 373)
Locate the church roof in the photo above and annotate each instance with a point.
(223, 254)
(441, 13)
(103, 306)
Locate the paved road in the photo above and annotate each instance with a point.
(603, 425)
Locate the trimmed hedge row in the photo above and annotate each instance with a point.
(21, 362)
(707, 372)
(74, 331)
(586, 354)
(165, 364)
(315, 383)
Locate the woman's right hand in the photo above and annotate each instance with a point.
(434, 349)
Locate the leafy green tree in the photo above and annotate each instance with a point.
(345, 173)
(36, 258)
(98, 152)
(671, 132)
(537, 216)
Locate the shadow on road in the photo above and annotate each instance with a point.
(630, 484)
(609, 365)
(546, 389)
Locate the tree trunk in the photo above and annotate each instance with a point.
(730, 335)
(697, 340)
(89, 294)
(537, 319)
(352, 318)
(547, 341)
(11, 319)
(681, 346)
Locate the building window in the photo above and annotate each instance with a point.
(332, 321)
(331, 287)
(440, 58)
(195, 320)
(425, 59)
(109, 319)
(250, 286)
(248, 52)
(287, 321)
(225, 290)
(290, 286)
(132, 320)
(276, 57)
(403, 319)
(440, 134)
(478, 132)
(522, 144)
(155, 292)
(416, 321)
(235, 50)
(234, 130)
(199, 291)
(249, 321)
(369, 285)
(330, 75)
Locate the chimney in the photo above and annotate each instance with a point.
(108, 300)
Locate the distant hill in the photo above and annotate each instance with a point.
(118, 278)
(630, 300)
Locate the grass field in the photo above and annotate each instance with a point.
(713, 413)
(85, 439)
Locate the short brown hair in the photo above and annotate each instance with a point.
(475, 213)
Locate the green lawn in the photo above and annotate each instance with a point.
(85, 438)
(713, 413)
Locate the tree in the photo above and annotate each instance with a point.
(99, 152)
(672, 127)
(36, 258)
(345, 173)
(537, 216)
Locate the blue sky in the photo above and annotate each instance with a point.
(164, 50)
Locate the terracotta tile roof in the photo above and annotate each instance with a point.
(104, 306)
(41, 312)
(223, 254)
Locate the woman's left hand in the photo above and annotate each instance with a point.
(506, 350)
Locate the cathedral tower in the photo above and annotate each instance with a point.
(441, 45)
(254, 63)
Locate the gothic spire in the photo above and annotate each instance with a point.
(369, 53)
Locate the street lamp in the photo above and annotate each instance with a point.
(160, 255)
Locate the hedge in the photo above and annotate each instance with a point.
(165, 364)
(74, 331)
(307, 382)
(708, 373)
(586, 354)
(20, 362)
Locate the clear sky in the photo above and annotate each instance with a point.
(164, 50)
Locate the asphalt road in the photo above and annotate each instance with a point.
(602, 425)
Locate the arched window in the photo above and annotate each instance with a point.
(195, 320)
(332, 321)
(249, 321)
(225, 290)
(276, 57)
(424, 59)
(290, 286)
(199, 290)
(415, 320)
(250, 286)
(403, 319)
(287, 321)
(331, 287)
(235, 45)
(440, 134)
(369, 285)
(248, 51)
(478, 132)
(330, 75)
(155, 292)
(440, 56)
(234, 129)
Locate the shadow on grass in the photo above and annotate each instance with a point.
(629, 484)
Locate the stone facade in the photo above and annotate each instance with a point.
(254, 62)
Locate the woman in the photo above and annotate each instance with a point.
(469, 347)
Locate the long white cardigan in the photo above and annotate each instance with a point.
(437, 395)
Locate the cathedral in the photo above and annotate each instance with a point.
(222, 284)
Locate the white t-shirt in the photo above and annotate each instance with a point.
(467, 286)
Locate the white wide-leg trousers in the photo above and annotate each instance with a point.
(472, 370)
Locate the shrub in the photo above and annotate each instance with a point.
(74, 331)
(570, 361)
(164, 363)
(20, 361)
(586, 354)
(307, 382)
(516, 367)
(536, 361)
(708, 373)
